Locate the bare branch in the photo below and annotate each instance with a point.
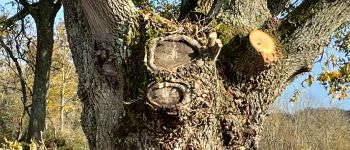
(20, 75)
(10, 21)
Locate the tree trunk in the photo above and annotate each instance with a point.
(44, 14)
(62, 93)
(148, 82)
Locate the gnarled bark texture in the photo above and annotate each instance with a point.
(142, 88)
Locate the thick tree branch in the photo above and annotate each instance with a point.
(252, 13)
(107, 19)
(248, 14)
(309, 26)
(30, 7)
(316, 14)
(303, 34)
(186, 7)
(305, 31)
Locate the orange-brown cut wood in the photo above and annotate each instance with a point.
(264, 44)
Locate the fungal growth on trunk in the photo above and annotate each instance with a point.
(264, 44)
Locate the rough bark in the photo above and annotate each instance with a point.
(100, 56)
(147, 89)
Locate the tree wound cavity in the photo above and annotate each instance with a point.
(168, 53)
(167, 96)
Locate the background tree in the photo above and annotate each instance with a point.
(146, 81)
(16, 53)
(43, 13)
(18, 46)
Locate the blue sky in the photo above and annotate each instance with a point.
(313, 96)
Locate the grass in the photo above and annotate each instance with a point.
(311, 128)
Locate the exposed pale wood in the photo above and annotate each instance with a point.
(212, 38)
(264, 44)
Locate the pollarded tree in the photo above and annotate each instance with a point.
(202, 82)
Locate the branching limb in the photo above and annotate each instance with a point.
(303, 34)
(20, 75)
(308, 27)
(10, 21)
(307, 30)
(30, 7)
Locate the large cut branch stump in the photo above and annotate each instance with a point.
(169, 59)
(168, 53)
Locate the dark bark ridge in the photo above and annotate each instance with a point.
(181, 95)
